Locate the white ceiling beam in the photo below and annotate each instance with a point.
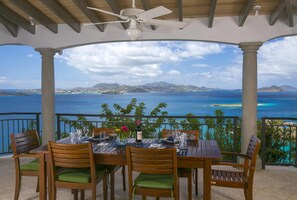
(60, 11)
(289, 8)
(11, 27)
(277, 12)
(15, 18)
(93, 17)
(245, 11)
(212, 10)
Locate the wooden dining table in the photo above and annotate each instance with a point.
(198, 154)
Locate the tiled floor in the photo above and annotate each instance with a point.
(274, 183)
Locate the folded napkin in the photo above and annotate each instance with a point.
(102, 144)
(156, 146)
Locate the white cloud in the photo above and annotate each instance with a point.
(173, 72)
(142, 62)
(277, 62)
(134, 61)
(10, 83)
(30, 55)
(200, 49)
(200, 65)
(3, 78)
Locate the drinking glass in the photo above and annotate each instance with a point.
(156, 137)
(174, 136)
(79, 135)
(183, 141)
(72, 138)
(86, 132)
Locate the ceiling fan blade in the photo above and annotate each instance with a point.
(107, 12)
(110, 22)
(154, 12)
(158, 22)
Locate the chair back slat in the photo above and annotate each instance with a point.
(109, 131)
(252, 152)
(152, 161)
(24, 142)
(191, 134)
(252, 147)
(70, 156)
(63, 157)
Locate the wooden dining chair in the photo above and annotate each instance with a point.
(72, 166)
(242, 178)
(114, 168)
(156, 172)
(22, 143)
(186, 172)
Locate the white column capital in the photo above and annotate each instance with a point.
(48, 51)
(249, 47)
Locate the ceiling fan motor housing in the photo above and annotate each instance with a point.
(131, 12)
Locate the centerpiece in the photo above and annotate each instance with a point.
(122, 135)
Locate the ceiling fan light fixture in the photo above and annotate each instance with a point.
(133, 33)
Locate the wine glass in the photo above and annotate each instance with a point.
(156, 137)
(79, 135)
(86, 132)
(174, 136)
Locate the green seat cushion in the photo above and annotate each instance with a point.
(78, 175)
(156, 181)
(31, 166)
(180, 170)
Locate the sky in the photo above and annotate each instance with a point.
(212, 65)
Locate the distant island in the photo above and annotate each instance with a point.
(283, 88)
(12, 93)
(115, 88)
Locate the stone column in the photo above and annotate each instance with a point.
(48, 94)
(249, 92)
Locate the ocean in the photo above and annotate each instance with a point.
(281, 104)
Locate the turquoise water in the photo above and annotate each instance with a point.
(282, 104)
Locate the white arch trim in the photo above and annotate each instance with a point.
(225, 30)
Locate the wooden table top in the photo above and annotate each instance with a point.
(114, 154)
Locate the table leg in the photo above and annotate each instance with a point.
(207, 180)
(112, 185)
(42, 177)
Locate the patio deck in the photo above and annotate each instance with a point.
(273, 183)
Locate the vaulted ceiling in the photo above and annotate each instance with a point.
(19, 15)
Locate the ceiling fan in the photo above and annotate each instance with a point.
(136, 16)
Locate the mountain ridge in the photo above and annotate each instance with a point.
(274, 88)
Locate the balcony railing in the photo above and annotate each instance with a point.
(278, 135)
(16, 123)
(279, 141)
(222, 129)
